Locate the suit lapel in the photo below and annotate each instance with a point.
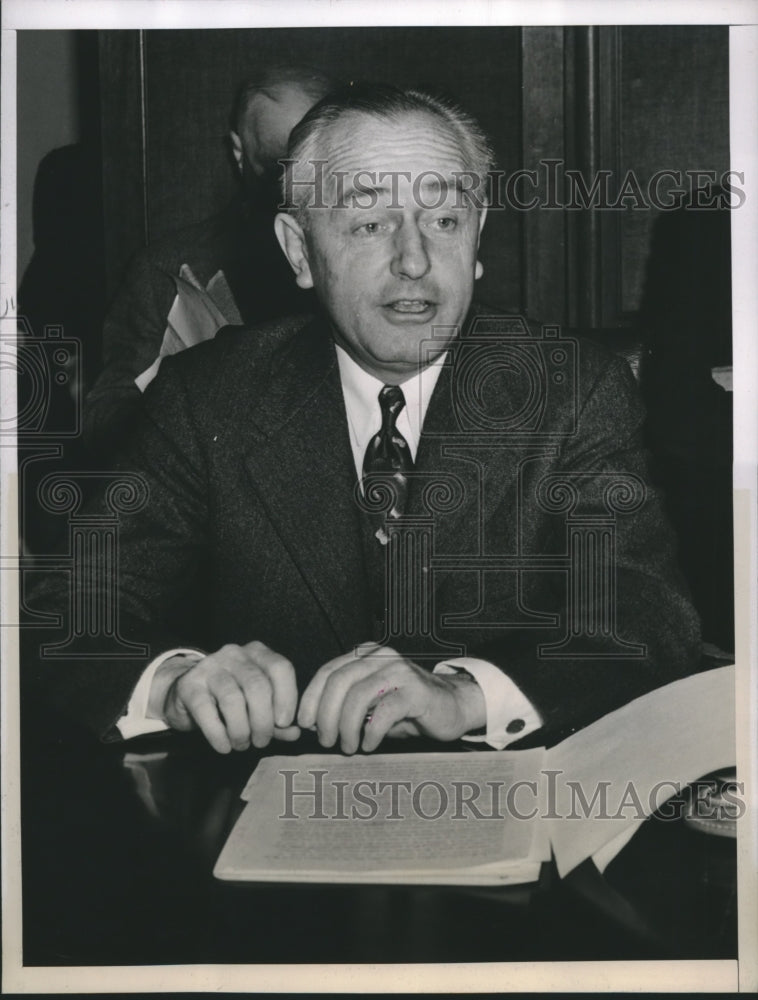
(301, 464)
(299, 459)
(485, 464)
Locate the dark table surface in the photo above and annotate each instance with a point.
(119, 844)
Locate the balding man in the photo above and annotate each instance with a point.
(227, 269)
(370, 507)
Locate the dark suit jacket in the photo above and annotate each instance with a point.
(252, 519)
(239, 241)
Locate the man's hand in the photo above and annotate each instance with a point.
(376, 691)
(238, 696)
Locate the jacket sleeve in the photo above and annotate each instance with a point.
(152, 571)
(132, 337)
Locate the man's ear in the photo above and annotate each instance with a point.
(291, 238)
(236, 149)
(479, 269)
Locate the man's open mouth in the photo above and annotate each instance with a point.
(410, 305)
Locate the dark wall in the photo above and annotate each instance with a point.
(47, 115)
(61, 270)
(673, 114)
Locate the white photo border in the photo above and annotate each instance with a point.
(710, 976)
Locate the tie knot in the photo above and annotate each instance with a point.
(391, 401)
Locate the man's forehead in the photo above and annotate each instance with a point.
(398, 190)
(414, 143)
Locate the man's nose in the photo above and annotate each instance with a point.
(410, 259)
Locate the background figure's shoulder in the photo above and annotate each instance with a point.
(205, 247)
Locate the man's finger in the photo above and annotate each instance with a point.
(391, 710)
(260, 710)
(311, 696)
(359, 706)
(288, 733)
(365, 674)
(281, 675)
(366, 699)
(204, 711)
(232, 708)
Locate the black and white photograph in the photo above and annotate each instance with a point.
(378, 452)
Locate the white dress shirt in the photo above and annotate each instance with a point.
(510, 715)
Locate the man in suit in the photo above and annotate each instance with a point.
(402, 516)
(224, 269)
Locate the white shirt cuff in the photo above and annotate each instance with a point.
(510, 714)
(135, 722)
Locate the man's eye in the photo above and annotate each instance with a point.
(445, 223)
(369, 228)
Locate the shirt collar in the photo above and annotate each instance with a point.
(361, 393)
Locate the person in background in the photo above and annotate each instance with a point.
(225, 270)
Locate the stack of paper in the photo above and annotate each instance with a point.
(487, 817)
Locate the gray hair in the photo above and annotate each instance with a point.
(310, 80)
(383, 101)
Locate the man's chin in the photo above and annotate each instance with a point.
(402, 367)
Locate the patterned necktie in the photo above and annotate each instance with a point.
(388, 451)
